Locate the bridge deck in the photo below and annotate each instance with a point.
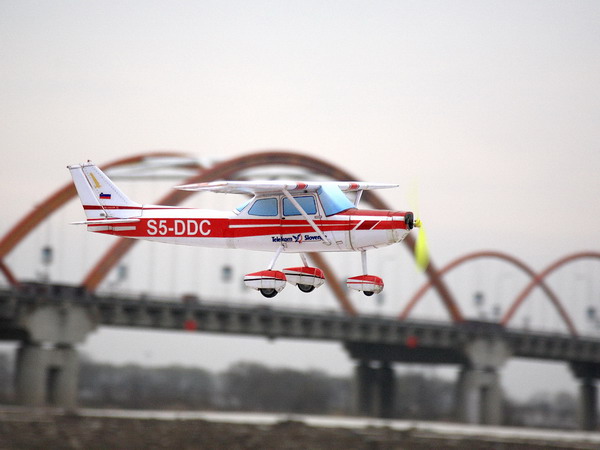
(383, 337)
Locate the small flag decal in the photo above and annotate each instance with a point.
(105, 196)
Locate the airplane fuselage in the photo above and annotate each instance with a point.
(350, 230)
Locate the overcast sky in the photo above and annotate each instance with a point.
(493, 108)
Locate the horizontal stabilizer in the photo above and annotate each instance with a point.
(105, 222)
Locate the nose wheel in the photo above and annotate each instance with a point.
(306, 288)
(367, 284)
(269, 293)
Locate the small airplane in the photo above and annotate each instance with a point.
(281, 216)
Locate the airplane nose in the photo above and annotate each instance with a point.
(409, 220)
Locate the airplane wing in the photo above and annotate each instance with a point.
(277, 186)
(353, 186)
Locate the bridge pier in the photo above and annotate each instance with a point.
(479, 393)
(587, 373)
(47, 364)
(479, 396)
(364, 385)
(47, 376)
(374, 389)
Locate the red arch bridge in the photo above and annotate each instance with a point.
(51, 319)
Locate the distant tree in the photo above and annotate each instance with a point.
(182, 387)
(254, 387)
(134, 386)
(421, 397)
(544, 410)
(248, 386)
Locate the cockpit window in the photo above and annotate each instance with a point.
(333, 199)
(307, 202)
(264, 207)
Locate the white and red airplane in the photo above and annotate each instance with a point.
(281, 216)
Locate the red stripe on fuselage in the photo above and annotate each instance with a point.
(238, 228)
(145, 208)
(367, 225)
(96, 207)
(216, 228)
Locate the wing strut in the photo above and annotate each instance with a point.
(358, 197)
(308, 219)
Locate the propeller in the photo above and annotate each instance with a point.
(421, 247)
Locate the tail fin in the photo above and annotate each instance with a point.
(100, 198)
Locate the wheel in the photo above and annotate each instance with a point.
(306, 288)
(269, 293)
(368, 293)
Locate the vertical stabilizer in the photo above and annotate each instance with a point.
(100, 197)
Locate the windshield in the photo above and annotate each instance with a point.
(243, 205)
(333, 199)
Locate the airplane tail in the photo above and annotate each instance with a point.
(100, 197)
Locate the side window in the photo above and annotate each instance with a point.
(264, 207)
(306, 202)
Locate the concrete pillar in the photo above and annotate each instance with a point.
(478, 391)
(588, 404)
(467, 399)
(364, 389)
(386, 391)
(374, 390)
(479, 396)
(47, 375)
(47, 363)
(30, 382)
(67, 377)
(491, 412)
(588, 373)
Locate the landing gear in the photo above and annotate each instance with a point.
(306, 278)
(367, 284)
(271, 282)
(268, 282)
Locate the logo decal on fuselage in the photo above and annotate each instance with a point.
(296, 238)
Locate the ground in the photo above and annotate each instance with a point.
(28, 429)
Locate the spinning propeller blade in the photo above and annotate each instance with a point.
(421, 247)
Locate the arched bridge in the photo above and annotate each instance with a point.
(38, 314)
(234, 169)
